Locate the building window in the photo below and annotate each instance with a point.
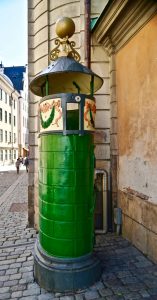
(0, 94)
(10, 100)
(3, 95)
(5, 116)
(14, 121)
(6, 136)
(1, 155)
(6, 155)
(1, 135)
(14, 154)
(14, 137)
(0, 114)
(6, 98)
(9, 137)
(14, 104)
(9, 154)
(9, 118)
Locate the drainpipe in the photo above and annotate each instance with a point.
(87, 44)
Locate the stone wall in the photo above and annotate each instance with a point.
(139, 223)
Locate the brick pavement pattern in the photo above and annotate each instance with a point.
(126, 272)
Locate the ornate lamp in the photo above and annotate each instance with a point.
(64, 259)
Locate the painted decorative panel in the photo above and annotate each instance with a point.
(51, 115)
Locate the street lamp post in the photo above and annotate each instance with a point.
(63, 256)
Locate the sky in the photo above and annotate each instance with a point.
(13, 32)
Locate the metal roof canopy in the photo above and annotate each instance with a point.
(65, 75)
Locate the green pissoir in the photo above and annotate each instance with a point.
(66, 196)
(63, 255)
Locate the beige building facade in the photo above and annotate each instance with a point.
(42, 16)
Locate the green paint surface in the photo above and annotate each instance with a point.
(66, 195)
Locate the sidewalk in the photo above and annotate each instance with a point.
(12, 167)
(127, 274)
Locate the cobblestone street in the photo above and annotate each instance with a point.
(127, 274)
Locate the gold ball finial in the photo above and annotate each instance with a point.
(65, 27)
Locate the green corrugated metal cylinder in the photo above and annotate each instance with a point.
(66, 195)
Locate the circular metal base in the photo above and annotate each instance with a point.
(61, 275)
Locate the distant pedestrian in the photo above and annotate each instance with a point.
(17, 164)
(26, 163)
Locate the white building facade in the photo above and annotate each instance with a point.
(8, 121)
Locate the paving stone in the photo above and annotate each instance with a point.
(27, 274)
(28, 263)
(17, 294)
(5, 296)
(67, 298)
(112, 282)
(4, 267)
(32, 292)
(132, 296)
(90, 295)
(4, 290)
(21, 259)
(2, 272)
(143, 264)
(45, 297)
(105, 292)
(152, 291)
(4, 278)
(27, 280)
(136, 286)
(19, 287)
(29, 298)
(33, 286)
(11, 271)
(114, 297)
(79, 297)
(15, 276)
(144, 294)
(129, 279)
(10, 282)
(15, 265)
(120, 290)
(2, 258)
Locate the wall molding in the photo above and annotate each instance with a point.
(121, 21)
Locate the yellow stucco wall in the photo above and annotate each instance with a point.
(136, 78)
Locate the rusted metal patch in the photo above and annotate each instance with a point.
(18, 207)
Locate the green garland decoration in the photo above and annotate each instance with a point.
(46, 124)
(91, 118)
